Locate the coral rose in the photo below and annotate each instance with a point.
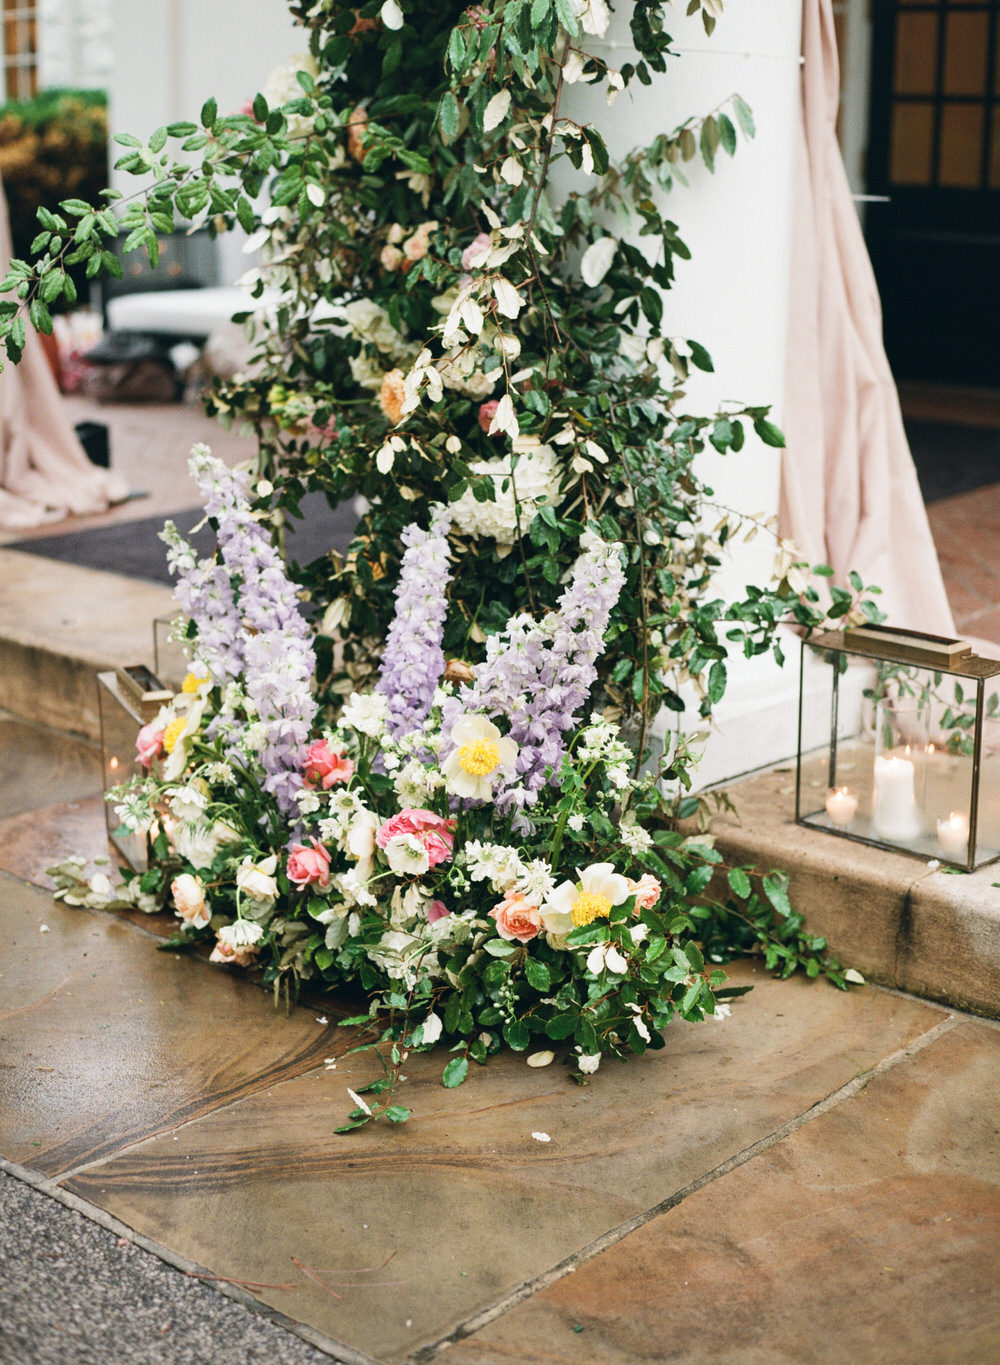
(390, 257)
(391, 396)
(309, 866)
(434, 832)
(325, 766)
(149, 744)
(516, 918)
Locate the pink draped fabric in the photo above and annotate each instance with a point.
(850, 496)
(44, 472)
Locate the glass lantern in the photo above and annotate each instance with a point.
(899, 744)
(170, 659)
(128, 699)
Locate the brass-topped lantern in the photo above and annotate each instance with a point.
(900, 746)
(129, 698)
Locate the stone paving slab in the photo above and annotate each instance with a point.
(892, 917)
(104, 1040)
(464, 1198)
(92, 620)
(34, 840)
(868, 1235)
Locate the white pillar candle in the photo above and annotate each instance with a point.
(841, 805)
(894, 814)
(953, 835)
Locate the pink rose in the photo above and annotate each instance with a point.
(437, 910)
(435, 833)
(646, 891)
(149, 744)
(516, 918)
(309, 866)
(475, 247)
(326, 766)
(486, 413)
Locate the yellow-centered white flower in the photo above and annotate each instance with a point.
(575, 904)
(479, 756)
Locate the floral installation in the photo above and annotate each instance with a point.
(473, 854)
(381, 769)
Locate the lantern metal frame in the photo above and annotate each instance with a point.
(136, 693)
(949, 657)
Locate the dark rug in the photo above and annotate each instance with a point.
(953, 459)
(133, 548)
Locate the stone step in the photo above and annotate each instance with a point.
(60, 624)
(900, 921)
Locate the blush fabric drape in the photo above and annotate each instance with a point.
(850, 496)
(44, 472)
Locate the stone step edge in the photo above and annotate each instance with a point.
(899, 921)
(61, 624)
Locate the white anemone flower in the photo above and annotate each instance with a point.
(574, 904)
(480, 755)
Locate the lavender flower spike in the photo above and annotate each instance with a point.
(539, 674)
(269, 642)
(413, 660)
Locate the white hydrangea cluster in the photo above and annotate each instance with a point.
(415, 783)
(536, 479)
(345, 807)
(635, 838)
(366, 713)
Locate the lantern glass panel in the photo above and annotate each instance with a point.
(122, 716)
(170, 660)
(911, 755)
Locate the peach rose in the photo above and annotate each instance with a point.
(356, 127)
(486, 413)
(415, 248)
(391, 257)
(647, 891)
(309, 866)
(434, 832)
(233, 957)
(391, 396)
(516, 918)
(149, 744)
(325, 766)
(189, 900)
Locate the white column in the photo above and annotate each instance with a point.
(732, 296)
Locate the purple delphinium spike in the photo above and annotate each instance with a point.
(413, 660)
(539, 673)
(269, 642)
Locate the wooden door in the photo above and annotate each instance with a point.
(934, 150)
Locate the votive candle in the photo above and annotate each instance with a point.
(894, 810)
(841, 805)
(953, 834)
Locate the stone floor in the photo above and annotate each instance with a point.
(815, 1178)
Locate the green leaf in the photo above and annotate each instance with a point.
(158, 140)
(561, 1026)
(397, 1113)
(449, 116)
(209, 113)
(727, 134)
(516, 1034)
(537, 974)
(743, 116)
(775, 888)
(567, 17)
(455, 1072)
(499, 947)
(769, 433)
(740, 882)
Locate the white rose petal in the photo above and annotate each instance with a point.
(616, 962)
(496, 111)
(541, 1058)
(541, 1137)
(392, 17)
(597, 260)
(854, 976)
(588, 1062)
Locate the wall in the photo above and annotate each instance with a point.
(732, 296)
(171, 55)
